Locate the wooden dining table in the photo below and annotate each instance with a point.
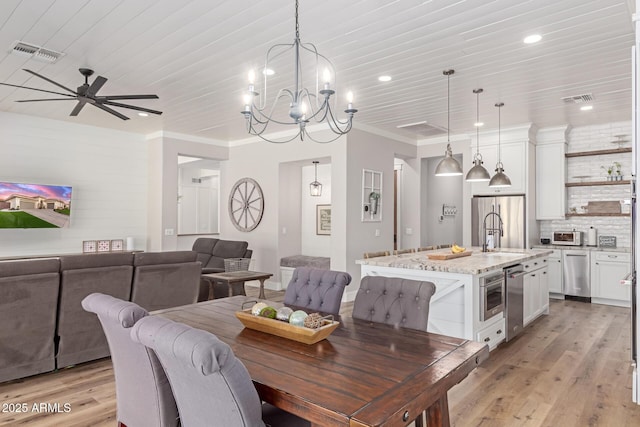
(363, 374)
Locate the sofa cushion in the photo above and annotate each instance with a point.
(28, 301)
(174, 257)
(204, 247)
(226, 249)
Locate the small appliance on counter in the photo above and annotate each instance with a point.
(545, 240)
(592, 239)
(568, 238)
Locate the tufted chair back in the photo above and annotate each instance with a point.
(393, 301)
(317, 289)
(211, 385)
(143, 393)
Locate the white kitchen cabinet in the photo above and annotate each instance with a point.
(554, 273)
(514, 159)
(535, 290)
(550, 180)
(607, 269)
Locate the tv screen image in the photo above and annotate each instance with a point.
(34, 205)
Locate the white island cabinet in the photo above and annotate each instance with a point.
(455, 307)
(535, 290)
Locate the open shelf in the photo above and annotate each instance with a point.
(599, 152)
(596, 214)
(591, 183)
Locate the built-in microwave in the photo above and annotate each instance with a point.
(568, 238)
(491, 295)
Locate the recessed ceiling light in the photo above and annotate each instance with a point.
(533, 38)
(478, 124)
(143, 114)
(586, 107)
(384, 78)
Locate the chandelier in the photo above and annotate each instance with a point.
(304, 105)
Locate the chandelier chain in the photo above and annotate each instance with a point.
(297, 23)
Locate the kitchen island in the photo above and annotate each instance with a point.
(455, 308)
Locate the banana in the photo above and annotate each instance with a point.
(457, 249)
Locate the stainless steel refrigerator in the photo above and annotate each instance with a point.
(512, 211)
(631, 279)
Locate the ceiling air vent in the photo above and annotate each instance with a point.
(423, 129)
(35, 52)
(578, 99)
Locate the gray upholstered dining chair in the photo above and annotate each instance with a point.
(317, 289)
(211, 386)
(394, 301)
(143, 393)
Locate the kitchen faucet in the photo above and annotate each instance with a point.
(493, 230)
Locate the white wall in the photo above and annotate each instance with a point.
(107, 170)
(366, 150)
(313, 244)
(274, 167)
(163, 187)
(442, 190)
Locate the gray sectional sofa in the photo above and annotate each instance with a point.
(211, 254)
(42, 323)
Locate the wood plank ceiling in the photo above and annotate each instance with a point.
(195, 55)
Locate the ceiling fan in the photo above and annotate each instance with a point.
(86, 94)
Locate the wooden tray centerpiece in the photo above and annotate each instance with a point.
(445, 256)
(286, 330)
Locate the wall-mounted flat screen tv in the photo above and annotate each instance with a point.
(34, 205)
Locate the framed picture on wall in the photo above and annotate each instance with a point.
(323, 220)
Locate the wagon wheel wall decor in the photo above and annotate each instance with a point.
(246, 204)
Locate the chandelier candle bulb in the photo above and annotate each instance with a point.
(326, 76)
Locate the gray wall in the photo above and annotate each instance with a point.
(438, 191)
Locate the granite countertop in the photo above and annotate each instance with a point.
(583, 248)
(477, 263)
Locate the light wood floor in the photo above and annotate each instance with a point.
(570, 368)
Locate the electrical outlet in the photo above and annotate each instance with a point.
(408, 231)
(377, 233)
(168, 231)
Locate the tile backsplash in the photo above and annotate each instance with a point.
(590, 168)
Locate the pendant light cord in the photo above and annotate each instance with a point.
(448, 109)
(499, 105)
(478, 120)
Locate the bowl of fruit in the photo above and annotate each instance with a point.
(296, 325)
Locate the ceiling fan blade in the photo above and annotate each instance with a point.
(77, 108)
(109, 110)
(131, 107)
(47, 99)
(111, 97)
(39, 90)
(96, 85)
(49, 80)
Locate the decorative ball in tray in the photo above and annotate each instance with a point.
(287, 323)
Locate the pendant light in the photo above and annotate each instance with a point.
(315, 187)
(499, 179)
(448, 166)
(477, 173)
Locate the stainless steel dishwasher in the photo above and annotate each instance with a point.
(514, 313)
(576, 274)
